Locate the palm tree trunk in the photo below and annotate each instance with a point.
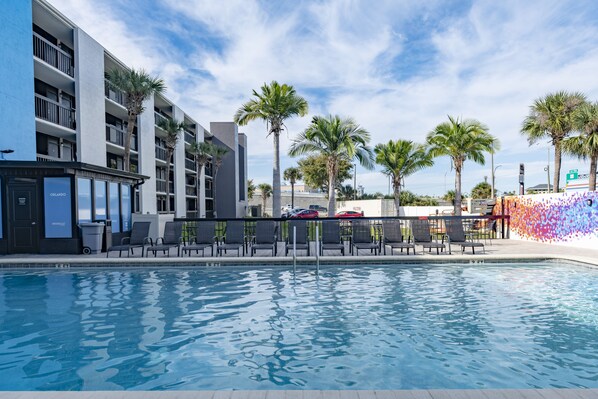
(264, 199)
(276, 177)
(396, 185)
(557, 167)
(292, 195)
(457, 191)
(168, 157)
(199, 168)
(127, 155)
(215, 212)
(331, 188)
(593, 164)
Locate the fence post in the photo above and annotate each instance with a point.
(294, 248)
(317, 249)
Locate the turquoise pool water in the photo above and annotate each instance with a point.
(363, 327)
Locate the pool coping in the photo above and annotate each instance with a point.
(65, 262)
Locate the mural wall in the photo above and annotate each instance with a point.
(564, 218)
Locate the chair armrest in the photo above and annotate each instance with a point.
(125, 240)
(148, 240)
(158, 240)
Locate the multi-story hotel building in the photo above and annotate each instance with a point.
(63, 135)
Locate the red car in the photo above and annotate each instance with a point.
(305, 214)
(349, 214)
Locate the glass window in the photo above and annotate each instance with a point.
(57, 207)
(100, 203)
(114, 207)
(126, 206)
(83, 200)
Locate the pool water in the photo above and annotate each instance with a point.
(365, 327)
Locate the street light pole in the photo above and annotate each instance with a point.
(493, 178)
(354, 181)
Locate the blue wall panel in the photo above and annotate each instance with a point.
(16, 80)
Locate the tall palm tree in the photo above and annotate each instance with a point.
(250, 189)
(337, 139)
(461, 140)
(173, 130)
(266, 192)
(292, 175)
(218, 153)
(585, 145)
(551, 116)
(275, 104)
(400, 159)
(137, 86)
(203, 153)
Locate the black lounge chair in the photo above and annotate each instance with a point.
(138, 239)
(234, 237)
(420, 229)
(302, 240)
(331, 237)
(173, 237)
(205, 237)
(362, 238)
(456, 235)
(392, 236)
(265, 237)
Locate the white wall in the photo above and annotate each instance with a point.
(386, 207)
(179, 168)
(91, 106)
(146, 133)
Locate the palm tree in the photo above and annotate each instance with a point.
(552, 116)
(203, 153)
(218, 154)
(136, 86)
(337, 139)
(292, 175)
(275, 104)
(400, 159)
(461, 140)
(585, 145)
(173, 131)
(266, 191)
(345, 192)
(250, 189)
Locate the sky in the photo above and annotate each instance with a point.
(399, 68)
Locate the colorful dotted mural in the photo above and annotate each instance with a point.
(554, 217)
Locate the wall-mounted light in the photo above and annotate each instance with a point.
(589, 202)
(4, 152)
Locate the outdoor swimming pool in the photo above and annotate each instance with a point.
(362, 327)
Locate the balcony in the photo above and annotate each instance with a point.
(114, 95)
(189, 137)
(51, 111)
(52, 55)
(117, 136)
(190, 164)
(48, 158)
(161, 186)
(208, 170)
(161, 154)
(209, 193)
(191, 190)
(158, 117)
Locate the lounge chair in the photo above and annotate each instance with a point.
(302, 240)
(420, 229)
(173, 238)
(138, 239)
(331, 237)
(234, 237)
(392, 236)
(456, 235)
(265, 237)
(362, 238)
(205, 237)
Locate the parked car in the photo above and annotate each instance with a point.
(322, 211)
(304, 214)
(288, 214)
(349, 214)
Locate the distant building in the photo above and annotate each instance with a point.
(539, 189)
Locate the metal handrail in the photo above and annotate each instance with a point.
(54, 112)
(53, 55)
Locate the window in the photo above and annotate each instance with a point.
(83, 200)
(126, 206)
(100, 200)
(114, 207)
(57, 207)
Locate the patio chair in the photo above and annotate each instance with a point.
(234, 238)
(331, 237)
(362, 238)
(456, 235)
(302, 240)
(392, 236)
(138, 239)
(420, 229)
(172, 238)
(266, 232)
(205, 237)
(487, 232)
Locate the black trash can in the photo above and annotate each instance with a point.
(92, 234)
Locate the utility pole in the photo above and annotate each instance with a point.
(354, 181)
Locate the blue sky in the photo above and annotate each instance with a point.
(397, 67)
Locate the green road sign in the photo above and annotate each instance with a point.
(572, 175)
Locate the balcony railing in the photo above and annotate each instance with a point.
(209, 193)
(189, 137)
(208, 170)
(162, 154)
(114, 95)
(158, 117)
(116, 136)
(191, 190)
(52, 55)
(47, 158)
(52, 111)
(161, 186)
(190, 164)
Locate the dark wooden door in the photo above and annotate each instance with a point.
(23, 223)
